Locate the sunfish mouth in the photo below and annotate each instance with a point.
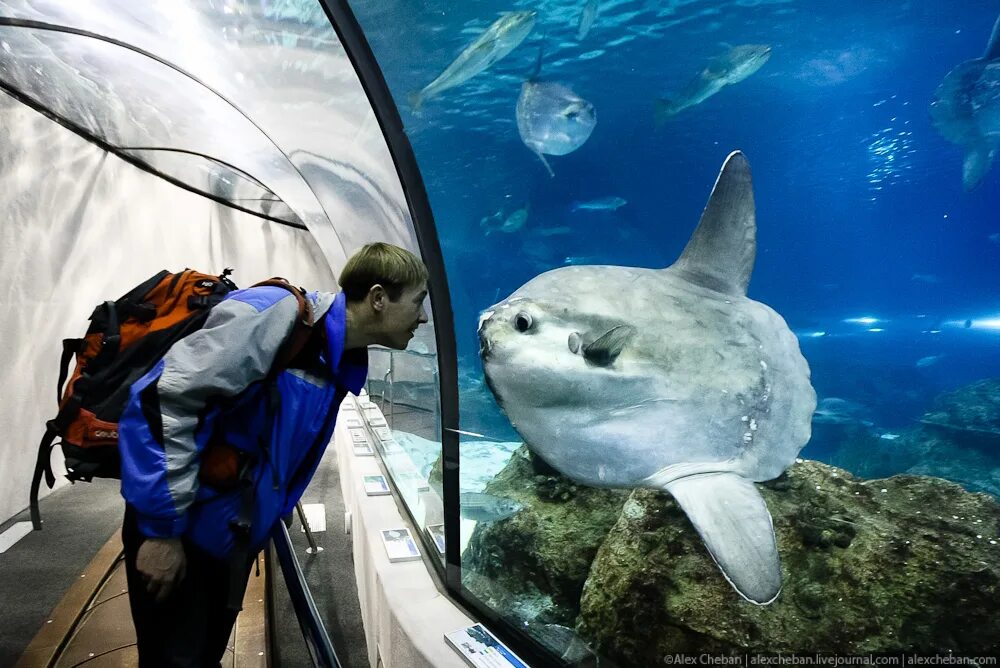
(484, 342)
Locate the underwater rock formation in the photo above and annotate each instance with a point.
(971, 413)
(958, 439)
(903, 564)
(532, 566)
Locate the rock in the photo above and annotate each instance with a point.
(958, 440)
(971, 412)
(891, 565)
(532, 566)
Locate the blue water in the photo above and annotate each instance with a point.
(860, 207)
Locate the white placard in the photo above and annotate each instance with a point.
(481, 649)
(376, 485)
(399, 545)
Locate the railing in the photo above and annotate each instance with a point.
(314, 633)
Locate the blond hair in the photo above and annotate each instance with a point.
(392, 267)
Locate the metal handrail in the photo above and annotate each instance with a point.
(314, 633)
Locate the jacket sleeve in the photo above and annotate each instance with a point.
(159, 436)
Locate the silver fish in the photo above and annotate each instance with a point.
(482, 507)
(602, 204)
(553, 120)
(587, 16)
(966, 110)
(496, 42)
(512, 223)
(732, 67)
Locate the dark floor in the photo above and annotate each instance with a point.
(79, 519)
(36, 572)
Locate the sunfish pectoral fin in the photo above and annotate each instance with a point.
(732, 519)
(977, 162)
(605, 349)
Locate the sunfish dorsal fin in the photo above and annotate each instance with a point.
(721, 252)
(993, 46)
(730, 516)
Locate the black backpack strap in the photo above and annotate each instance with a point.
(302, 330)
(112, 336)
(240, 525)
(43, 466)
(70, 348)
(43, 463)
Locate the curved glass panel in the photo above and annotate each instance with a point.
(127, 99)
(661, 461)
(282, 64)
(211, 177)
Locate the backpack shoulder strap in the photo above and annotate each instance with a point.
(302, 330)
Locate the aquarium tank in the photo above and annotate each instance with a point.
(714, 362)
(724, 285)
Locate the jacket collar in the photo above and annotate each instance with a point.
(350, 367)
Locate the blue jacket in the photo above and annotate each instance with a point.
(210, 385)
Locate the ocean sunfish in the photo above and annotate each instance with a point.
(552, 119)
(669, 379)
(966, 110)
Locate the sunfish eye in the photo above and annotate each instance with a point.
(522, 322)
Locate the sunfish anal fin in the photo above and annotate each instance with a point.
(546, 163)
(721, 252)
(732, 519)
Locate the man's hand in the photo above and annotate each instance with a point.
(162, 564)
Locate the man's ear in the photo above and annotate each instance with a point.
(377, 297)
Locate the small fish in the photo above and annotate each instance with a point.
(502, 37)
(587, 16)
(930, 279)
(889, 436)
(732, 67)
(925, 362)
(837, 411)
(482, 507)
(511, 223)
(602, 204)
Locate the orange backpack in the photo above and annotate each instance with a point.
(125, 339)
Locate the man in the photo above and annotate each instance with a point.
(190, 532)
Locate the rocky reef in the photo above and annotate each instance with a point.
(957, 439)
(902, 564)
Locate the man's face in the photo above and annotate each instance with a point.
(400, 319)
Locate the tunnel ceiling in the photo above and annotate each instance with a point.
(253, 104)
